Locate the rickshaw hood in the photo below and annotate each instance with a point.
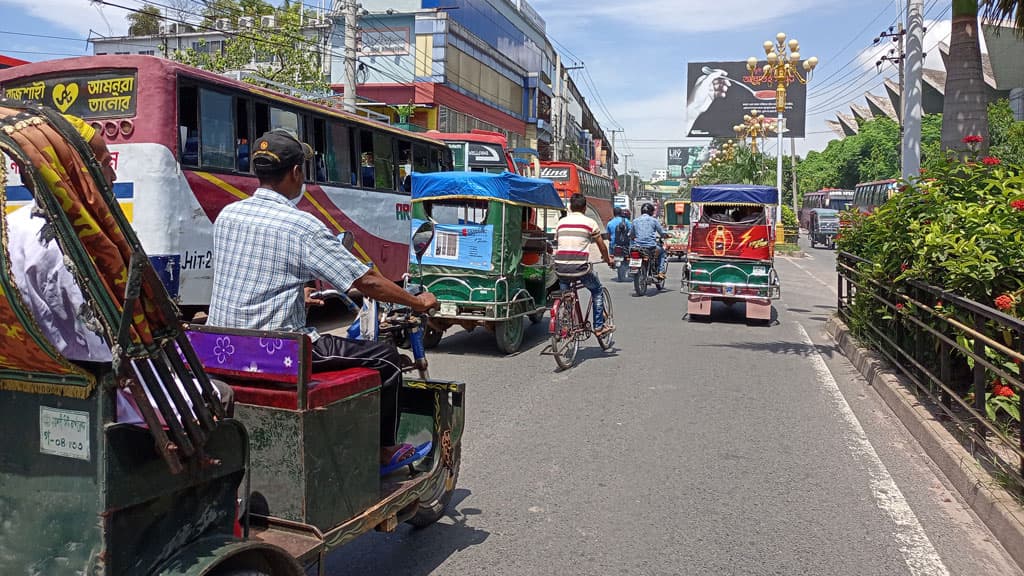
(506, 187)
(735, 194)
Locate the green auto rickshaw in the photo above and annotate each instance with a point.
(490, 263)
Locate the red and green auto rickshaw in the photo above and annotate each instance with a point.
(677, 224)
(732, 249)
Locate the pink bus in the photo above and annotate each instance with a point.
(180, 139)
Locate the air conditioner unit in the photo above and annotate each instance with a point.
(267, 21)
(168, 28)
(246, 22)
(221, 23)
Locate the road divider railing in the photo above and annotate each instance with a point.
(963, 355)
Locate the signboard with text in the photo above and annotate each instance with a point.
(718, 94)
(101, 95)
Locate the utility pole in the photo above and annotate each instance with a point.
(629, 179)
(910, 144)
(613, 151)
(897, 56)
(351, 29)
(557, 124)
(792, 164)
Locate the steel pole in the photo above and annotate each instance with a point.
(351, 14)
(911, 113)
(780, 128)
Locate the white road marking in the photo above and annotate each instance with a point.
(912, 542)
(816, 279)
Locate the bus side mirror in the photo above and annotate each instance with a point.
(421, 239)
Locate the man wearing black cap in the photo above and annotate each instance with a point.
(265, 251)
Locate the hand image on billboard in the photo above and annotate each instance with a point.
(712, 85)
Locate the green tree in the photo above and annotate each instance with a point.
(144, 22)
(280, 53)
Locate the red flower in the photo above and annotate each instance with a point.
(899, 306)
(1004, 302)
(973, 139)
(1004, 391)
(903, 267)
(922, 170)
(990, 161)
(1018, 205)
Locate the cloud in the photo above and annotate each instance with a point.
(673, 15)
(79, 16)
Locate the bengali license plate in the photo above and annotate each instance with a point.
(449, 309)
(634, 262)
(760, 270)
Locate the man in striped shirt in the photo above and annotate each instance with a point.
(577, 235)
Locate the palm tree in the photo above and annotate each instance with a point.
(964, 108)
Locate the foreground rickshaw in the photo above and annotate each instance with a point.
(677, 224)
(731, 250)
(187, 489)
(490, 263)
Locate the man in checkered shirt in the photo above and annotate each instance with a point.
(266, 251)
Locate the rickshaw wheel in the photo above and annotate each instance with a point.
(432, 337)
(509, 334)
(608, 339)
(432, 507)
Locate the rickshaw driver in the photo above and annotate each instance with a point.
(576, 235)
(646, 233)
(265, 251)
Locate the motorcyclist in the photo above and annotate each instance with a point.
(647, 233)
(618, 238)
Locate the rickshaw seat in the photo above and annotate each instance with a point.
(267, 369)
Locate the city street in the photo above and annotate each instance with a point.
(693, 448)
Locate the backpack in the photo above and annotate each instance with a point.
(622, 233)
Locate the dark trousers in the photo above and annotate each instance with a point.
(334, 353)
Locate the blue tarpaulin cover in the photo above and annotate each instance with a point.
(734, 194)
(505, 187)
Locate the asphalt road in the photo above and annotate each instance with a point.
(691, 448)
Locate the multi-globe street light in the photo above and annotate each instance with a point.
(754, 126)
(782, 69)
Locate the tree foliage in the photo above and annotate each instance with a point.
(145, 22)
(280, 53)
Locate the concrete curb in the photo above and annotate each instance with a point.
(996, 508)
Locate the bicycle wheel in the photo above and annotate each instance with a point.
(608, 339)
(564, 344)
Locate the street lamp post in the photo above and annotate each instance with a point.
(754, 126)
(782, 69)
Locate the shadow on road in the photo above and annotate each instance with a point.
(779, 347)
(480, 341)
(724, 313)
(410, 551)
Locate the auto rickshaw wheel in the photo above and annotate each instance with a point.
(432, 507)
(509, 334)
(432, 337)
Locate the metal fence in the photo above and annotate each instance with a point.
(948, 346)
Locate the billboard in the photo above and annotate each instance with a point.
(676, 156)
(718, 94)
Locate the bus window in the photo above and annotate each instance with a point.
(420, 158)
(384, 161)
(436, 161)
(367, 164)
(319, 149)
(339, 154)
(242, 134)
(404, 164)
(284, 119)
(217, 138)
(261, 119)
(188, 125)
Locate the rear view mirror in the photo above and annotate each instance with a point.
(421, 239)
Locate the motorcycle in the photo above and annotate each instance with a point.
(643, 267)
(621, 266)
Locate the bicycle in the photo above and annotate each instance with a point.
(569, 325)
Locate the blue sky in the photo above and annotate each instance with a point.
(635, 52)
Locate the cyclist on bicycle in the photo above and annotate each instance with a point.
(647, 233)
(576, 236)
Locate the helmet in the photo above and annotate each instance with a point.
(647, 208)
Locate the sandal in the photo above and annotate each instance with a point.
(405, 455)
(606, 329)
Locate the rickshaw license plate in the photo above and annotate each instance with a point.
(760, 270)
(449, 309)
(634, 262)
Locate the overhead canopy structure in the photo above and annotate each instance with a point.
(735, 194)
(506, 187)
